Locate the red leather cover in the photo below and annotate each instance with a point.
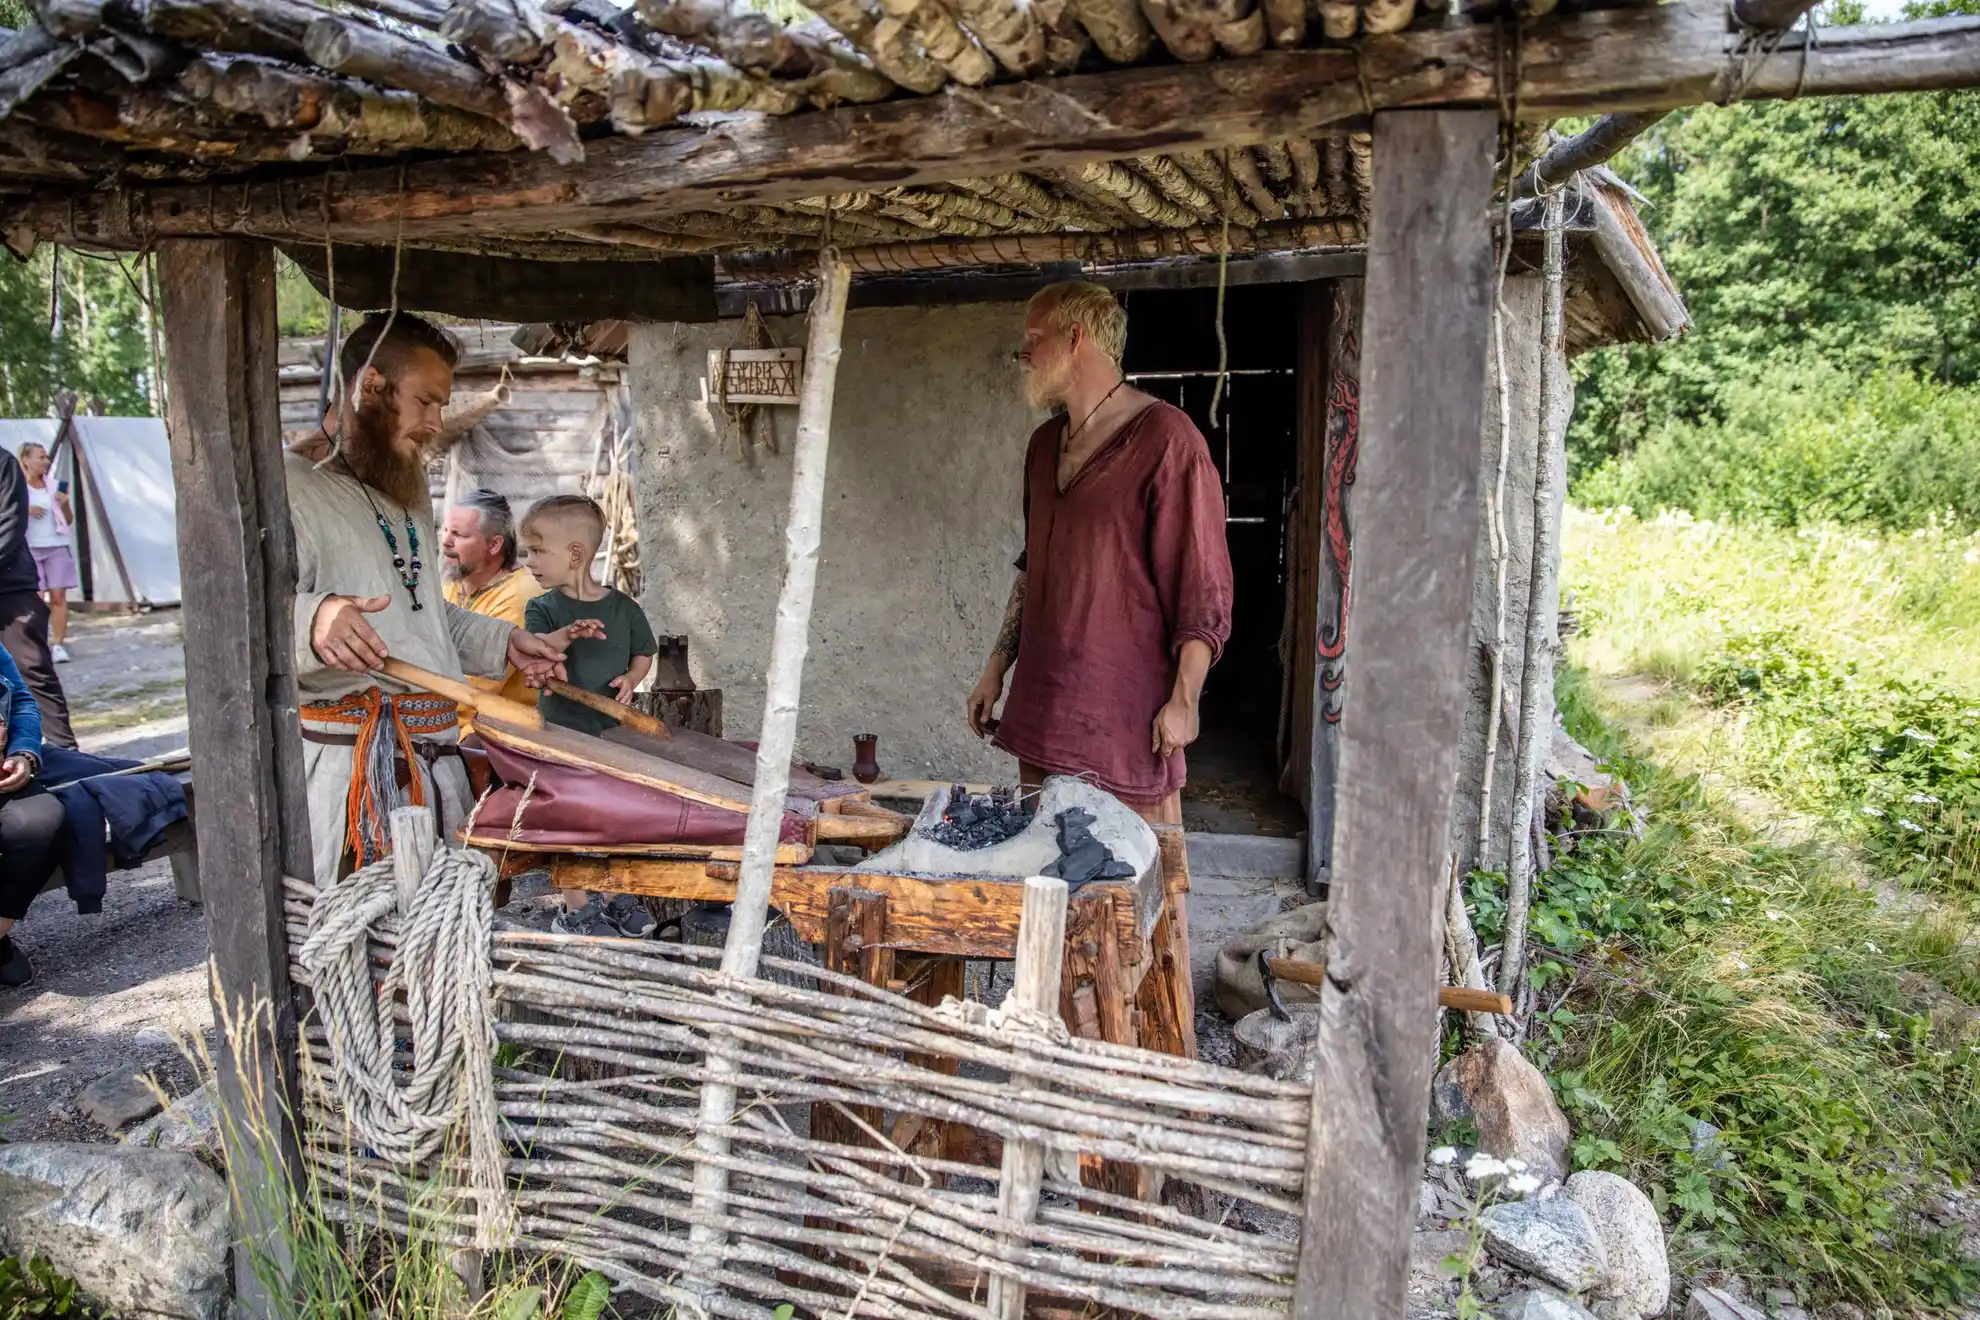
(585, 807)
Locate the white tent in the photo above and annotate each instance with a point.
(127, 507)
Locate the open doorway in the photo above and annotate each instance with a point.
(1172, 353)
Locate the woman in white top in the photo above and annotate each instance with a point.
(49, 540)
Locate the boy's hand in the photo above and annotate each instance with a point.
(575, 630)
(622, 687)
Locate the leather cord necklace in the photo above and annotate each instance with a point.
(1065, 444)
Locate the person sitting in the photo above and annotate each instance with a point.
(30, 819)
(561, 535)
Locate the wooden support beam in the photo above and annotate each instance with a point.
(1034, 992)
(1636, 58)
(1427, 300)
(671, 288)
(237, 555)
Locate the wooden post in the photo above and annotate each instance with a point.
(1340, 412)
(788, 643)
(1427, 321)
(1034, 990)
(237, 558)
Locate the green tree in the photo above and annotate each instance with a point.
(1838, 232)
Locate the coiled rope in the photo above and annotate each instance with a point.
(443, 968)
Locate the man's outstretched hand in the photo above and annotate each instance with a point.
(343, 638)
(540, 658)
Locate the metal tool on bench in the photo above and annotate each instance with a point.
(1271, 970)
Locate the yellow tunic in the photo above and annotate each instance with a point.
(505, 598)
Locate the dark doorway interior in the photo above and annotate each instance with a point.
(1172, 353)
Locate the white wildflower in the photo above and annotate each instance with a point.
(1911, 825)
(1481, 1166)
(1872, 946)
(1742, 964)
(1516, 1164)
(1964, 756)
(1881, 1035)
(1921, 797)
(1773, 915)
(1725, 902)
(1444, 1155)
(1524, 1184)
(1919, 735)
(1872, 811)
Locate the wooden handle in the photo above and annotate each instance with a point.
(1448, 996)
(492, 704)
(633, 719)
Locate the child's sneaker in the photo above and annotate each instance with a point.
(587, 920)
(628, 916)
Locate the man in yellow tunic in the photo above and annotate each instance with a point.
(478, 551)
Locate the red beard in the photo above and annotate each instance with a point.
(372, 450)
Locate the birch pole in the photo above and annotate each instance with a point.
(1536, 684)
(778, 738)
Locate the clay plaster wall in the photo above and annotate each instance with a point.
(922, 521)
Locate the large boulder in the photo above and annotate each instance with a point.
(1538, 1305)
(1714, 1304)
(1509, 1100)
(1553, 1240)
(1639, 1282)
(143, 1232)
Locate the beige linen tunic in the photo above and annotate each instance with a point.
(340, 551)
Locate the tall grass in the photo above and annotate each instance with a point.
(1740, 1035)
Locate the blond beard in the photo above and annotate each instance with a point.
(1046, 389)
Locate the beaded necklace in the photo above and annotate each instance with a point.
(408, 574)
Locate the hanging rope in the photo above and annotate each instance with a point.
(442, 968)
(1223, 344)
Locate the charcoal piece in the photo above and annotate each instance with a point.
(1083, 858)
(979, 821)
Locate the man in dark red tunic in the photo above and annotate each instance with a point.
(1123, 593)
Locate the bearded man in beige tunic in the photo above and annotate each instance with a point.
(368, 587)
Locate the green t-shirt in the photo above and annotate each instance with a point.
(592, 662)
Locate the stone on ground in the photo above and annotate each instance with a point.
(1553, 1240)
(154, 1040)
(117, 1100)
(144, 1233)
(1714, 1304)
(1539, 1305)
(1492, 1084)
(1639, 1281)
(190, 1124)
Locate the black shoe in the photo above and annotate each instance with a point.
(629, 917)
(15, 969)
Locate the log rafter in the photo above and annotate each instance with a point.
(1630, 59)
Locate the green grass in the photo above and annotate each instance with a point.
(1756, 961)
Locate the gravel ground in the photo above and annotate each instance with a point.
(139, 964)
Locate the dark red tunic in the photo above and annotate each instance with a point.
(1121, 569)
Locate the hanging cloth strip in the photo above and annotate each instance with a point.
(383, 731)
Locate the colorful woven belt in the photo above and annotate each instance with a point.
(374, 772)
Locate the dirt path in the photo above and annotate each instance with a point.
(141, 963)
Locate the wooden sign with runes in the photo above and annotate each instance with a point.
(755, 375)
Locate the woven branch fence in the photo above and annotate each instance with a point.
(600, 1158)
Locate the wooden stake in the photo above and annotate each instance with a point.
(1536, 680)
(778, 739)
(1035, 990)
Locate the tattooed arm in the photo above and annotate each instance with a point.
(1003, 654)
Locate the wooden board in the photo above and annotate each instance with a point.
(712, 756)
(1426, 325)
(1634, 58)
(237, 557)
(569, 747)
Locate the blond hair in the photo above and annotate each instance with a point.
(579, 514)
(1091, 307)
